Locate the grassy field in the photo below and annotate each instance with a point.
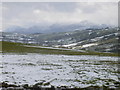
(10, 47)
(0, 46)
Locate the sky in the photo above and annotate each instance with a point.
(26, 14)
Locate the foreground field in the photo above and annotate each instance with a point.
(60, 70)
(45, 67)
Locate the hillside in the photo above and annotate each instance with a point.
(95, 40)
(101, 40)
(18, 48)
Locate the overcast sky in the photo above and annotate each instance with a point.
(26, 14)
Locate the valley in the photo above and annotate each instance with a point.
(95, 40)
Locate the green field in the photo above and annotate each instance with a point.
(10, 47)
(0, 46)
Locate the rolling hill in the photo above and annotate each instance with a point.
(95, 40)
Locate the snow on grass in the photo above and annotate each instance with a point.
(69, 45)
(59, 70)
(89, 45)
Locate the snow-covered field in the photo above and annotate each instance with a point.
(59, 70)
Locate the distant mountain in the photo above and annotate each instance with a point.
(100, 40)
(56, 28)
(17, 29)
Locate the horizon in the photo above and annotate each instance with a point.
(45, 14)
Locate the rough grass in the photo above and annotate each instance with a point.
(10, 47)
(0, 46)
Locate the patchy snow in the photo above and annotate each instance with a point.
(59, 70)
(89, 45)
(90, 33)
(116, 34)
(97, 38)
(73, 44)
(110, 34)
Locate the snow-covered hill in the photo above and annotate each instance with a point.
(101, 40)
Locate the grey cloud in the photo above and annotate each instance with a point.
(22, 13)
